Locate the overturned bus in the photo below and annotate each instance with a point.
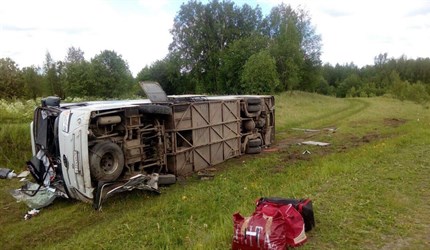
(91, 150)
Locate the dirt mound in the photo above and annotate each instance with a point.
(394, 122)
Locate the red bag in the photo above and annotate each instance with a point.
(303, 206)
(269, 227)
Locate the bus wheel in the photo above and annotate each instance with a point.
(253, 150)
(254, 108)
(106, 161)
(254, 143)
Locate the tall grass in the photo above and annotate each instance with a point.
(16, 111)
(15, 147)
(15, 118)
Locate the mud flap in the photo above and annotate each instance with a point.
(140, 181)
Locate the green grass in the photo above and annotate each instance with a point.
(370, 187)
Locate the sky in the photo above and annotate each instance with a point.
(139, 30)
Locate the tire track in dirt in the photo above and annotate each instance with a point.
(355, 106)
(327, 120)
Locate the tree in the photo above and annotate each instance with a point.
(349, 87)
(78, 74)
(33, 82)
(202, 32)
(53, 74)
(259, 74)
(167, 73)
(111, 75)
(74, 55)
(10, 81)
(310, 43)
(296, 48)
(380, 60)
(288, 55)
(79, 80)
(233, 60)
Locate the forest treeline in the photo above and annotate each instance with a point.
(222, 48)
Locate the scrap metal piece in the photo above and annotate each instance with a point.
(139, 181)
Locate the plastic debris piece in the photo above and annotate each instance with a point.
(306, 152)
(36, 200)
(332, 130)
(11, 175)
(4, 172)
(315, 143)
(31, 214)
(23, 174)
(306, 129)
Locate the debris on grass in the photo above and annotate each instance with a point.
(315, 143)
(205, 175)
(34, 195)
(332, 130)
(6, 173)
(31, 214)
(23, 174)
(308, 130)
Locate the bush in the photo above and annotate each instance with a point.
(259, 74)
(17, 111)
(417, 92)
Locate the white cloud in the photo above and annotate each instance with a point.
(30, 28)
(357, 31)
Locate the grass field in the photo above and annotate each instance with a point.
(370, 187)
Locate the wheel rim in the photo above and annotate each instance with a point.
(108, 163)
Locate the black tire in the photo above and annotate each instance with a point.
(253, 150)
(260, 123)
(254, 143)
(106, 161)
(254, 108)
(253, 100)
(156, 109)
(166, 179)
(249, 125)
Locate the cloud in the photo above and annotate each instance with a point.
(422, 8)
(8, 27)
(335, 12)
(139, 31)
(159, 5)
(358, 30)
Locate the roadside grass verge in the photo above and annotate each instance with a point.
(370, 187)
